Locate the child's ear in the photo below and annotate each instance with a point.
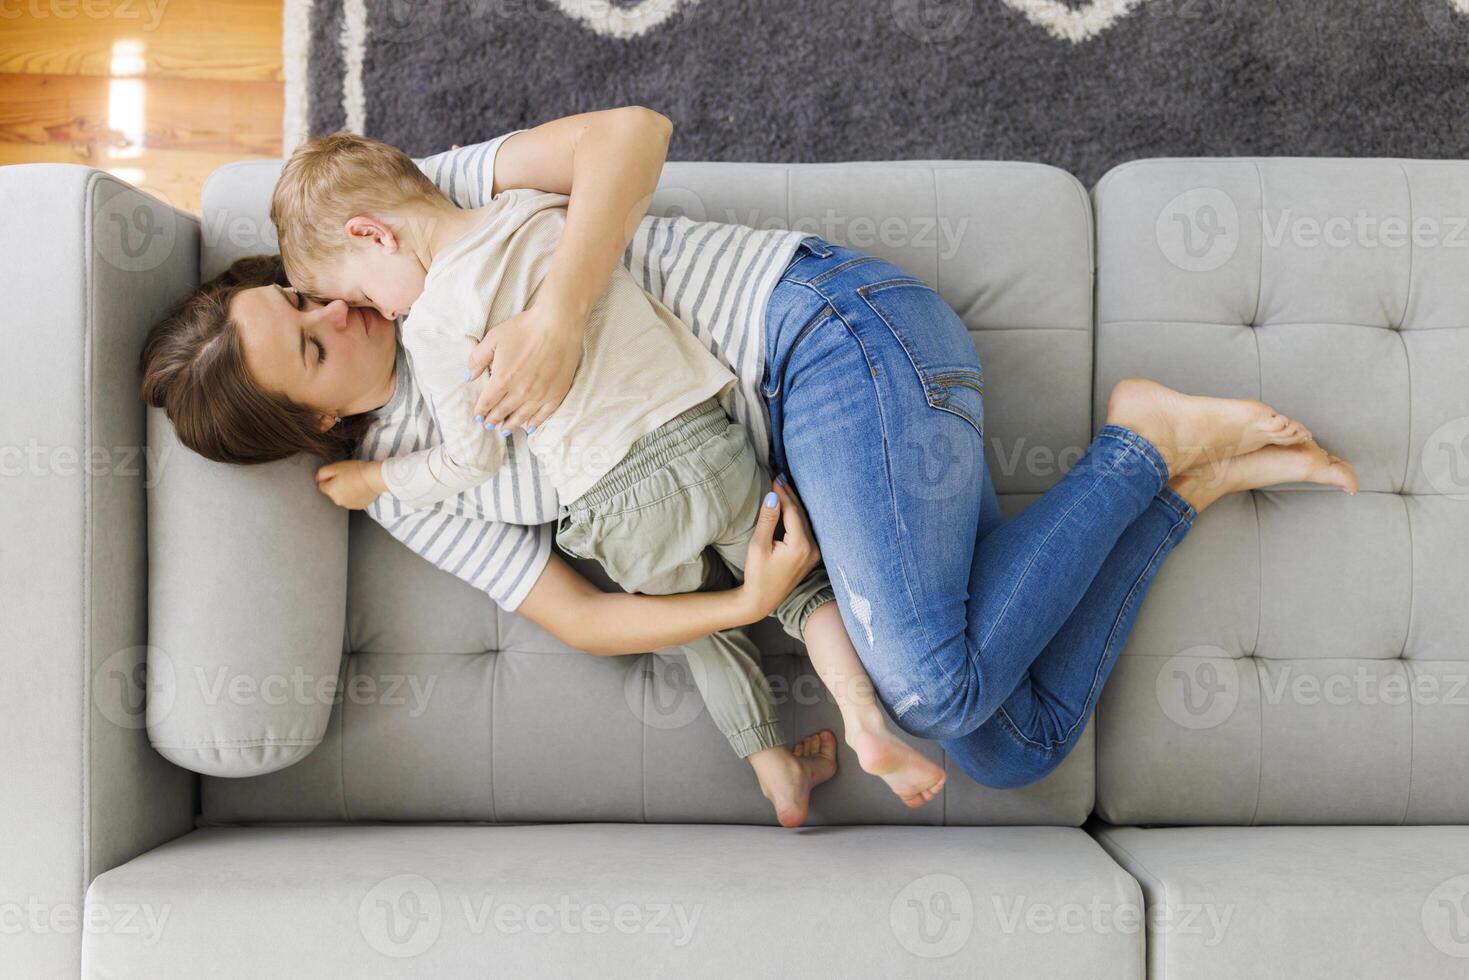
(325, 422)
(364, 229)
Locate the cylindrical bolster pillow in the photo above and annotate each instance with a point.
(247, 601)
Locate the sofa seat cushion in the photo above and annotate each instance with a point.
(615, 900)
(1232, 902)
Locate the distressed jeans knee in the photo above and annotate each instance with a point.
(923, 714)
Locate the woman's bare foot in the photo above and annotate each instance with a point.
(1194, 430)
(909, 773)
(1265, 467)
(787, 777)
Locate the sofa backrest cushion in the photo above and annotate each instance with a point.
(1302, 657)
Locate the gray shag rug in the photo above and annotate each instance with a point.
(1082, 84)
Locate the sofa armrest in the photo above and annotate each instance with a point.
(91, 264)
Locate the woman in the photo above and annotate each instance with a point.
(993, 637)
(232, 368)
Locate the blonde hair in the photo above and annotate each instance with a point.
(329, 180)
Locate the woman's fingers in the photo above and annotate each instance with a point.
(511, 412)
(524, 418)
(492, 404)
(529, 416)
(542, 413)
(765, 523)
(483, 355)
(798, 528)
(794, 514)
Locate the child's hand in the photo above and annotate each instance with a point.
(534, 356)
(351, 483)
(774, 568)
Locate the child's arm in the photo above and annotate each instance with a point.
(609, 163)
(352, 483)
(468, 455)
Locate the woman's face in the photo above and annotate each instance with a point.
(331, 358)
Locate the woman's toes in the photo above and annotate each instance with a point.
(1331, 470)
(1344, 475)
(1282, 430)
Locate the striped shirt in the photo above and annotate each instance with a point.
(461, 535)
(717, 278)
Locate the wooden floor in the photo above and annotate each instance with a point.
(159, 92)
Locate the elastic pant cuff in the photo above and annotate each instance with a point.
(752, 740)
(794, 620)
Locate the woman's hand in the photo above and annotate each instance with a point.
(774, 568)
(532, 358)
(351, 483)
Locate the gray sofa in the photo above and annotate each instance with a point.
(1276, 782)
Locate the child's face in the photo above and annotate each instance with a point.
(374, 271)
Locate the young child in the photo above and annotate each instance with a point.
(649, 471)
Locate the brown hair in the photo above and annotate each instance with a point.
(193, 367)
(329, 180)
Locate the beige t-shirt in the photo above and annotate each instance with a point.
(640, 365)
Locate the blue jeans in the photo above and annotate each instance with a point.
(992, 636)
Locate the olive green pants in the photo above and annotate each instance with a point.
(692, 485)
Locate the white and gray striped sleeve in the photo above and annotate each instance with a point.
(466, 175)
(502, 560)
(463, 455)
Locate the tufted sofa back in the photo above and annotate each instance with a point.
(454, 710)
(1304, 655)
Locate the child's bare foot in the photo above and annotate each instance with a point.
(1265, 467)
(787, 778)
(1192, 430)
(909, 773)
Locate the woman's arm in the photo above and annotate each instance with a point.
(608, 162)
(581, 615)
